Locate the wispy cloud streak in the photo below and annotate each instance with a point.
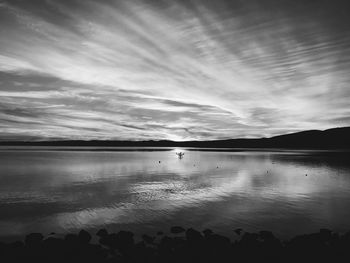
(172, 69)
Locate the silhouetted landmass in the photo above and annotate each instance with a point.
(180, 246)
(337, 138)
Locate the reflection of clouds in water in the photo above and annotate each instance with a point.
(150, 200)
(95, 216)
(104, 193)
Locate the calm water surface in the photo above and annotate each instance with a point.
(45, 190)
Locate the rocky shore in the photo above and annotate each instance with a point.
(179, 246)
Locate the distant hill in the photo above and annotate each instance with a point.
(337, 138)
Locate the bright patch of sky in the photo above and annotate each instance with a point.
(178, 70)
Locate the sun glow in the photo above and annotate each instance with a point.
(140, 70)
(174, 137)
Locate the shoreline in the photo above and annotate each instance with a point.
(181, 245)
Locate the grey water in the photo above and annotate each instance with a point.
(64, 190)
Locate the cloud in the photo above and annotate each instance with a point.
(165, 70)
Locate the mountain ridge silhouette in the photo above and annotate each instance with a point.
(335, 138)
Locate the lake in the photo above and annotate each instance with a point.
(147, 190)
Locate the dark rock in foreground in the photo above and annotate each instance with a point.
(177, 229)
(192, 246)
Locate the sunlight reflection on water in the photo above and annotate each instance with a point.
(287, 192)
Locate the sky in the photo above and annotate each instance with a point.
(176, 70)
